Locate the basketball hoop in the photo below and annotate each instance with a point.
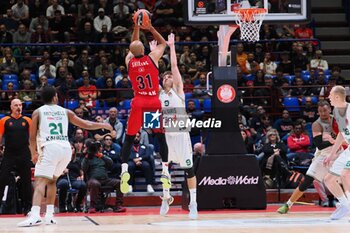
(249, 20)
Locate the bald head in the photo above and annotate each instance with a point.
(16, 107)
(340, 91)
(137, 48)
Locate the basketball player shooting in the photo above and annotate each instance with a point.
(143, 73)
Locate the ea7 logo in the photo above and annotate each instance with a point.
(231, 180)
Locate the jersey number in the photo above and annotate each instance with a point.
(55, 128)
(142, 82)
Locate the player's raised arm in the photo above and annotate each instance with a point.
(32, 136)
(89, 125)
(177, 79)
(158, 52)
(135, 36)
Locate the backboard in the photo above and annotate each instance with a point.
(209, 12)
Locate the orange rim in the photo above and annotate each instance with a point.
(248, 14)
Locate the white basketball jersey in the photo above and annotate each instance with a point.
(343, 122)
(173, 110)
(53, 126)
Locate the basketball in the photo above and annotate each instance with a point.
(142, 18)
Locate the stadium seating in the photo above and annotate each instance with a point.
(15, 84)
(207, 105)
(71, 104)
(291, 104)
(10, 77)
(290, 78)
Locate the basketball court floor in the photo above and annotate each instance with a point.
(306, 219)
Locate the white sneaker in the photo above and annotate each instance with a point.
(130, 189)
(30, 221)
(166, 202)
(340, 212)
(150, 189)
(193, 214)
(49, 219)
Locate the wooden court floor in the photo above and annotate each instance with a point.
(302, 219)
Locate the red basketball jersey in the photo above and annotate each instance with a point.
(143, 75)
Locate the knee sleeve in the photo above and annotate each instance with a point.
(189, 172)
(306, 183)
(126, 150)
(163, 146)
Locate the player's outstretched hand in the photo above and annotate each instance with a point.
(107, 126)
(327, 160)
(153, 45)
(171, 39)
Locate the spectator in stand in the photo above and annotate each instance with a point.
(89, 17)
(300, 60)
(310, 51)
(259, 79)
(95, 166)
(299, 91)
(8, 96)
(112, 150)
(252, 65)
(326, 90)
(42, 83)
(200, 90)
(109, 96)
(285, 64)
(101, 20)
(241, 57)
(255, 122)
(121, 14)
(259, 53)
(279, 79)
(25, 75)
(64, 55)
(104, 64)
(100, 134)
(8, 65)
(72, 178)
(5, 36)
(59, 28)
(268, 32)
(274, 163)
(264, 127)
(298, 141)
(283, 125)
(116, 124)
(51, 10)
(140, 159)
(28, 63)
(9, 21)
(37, 7)
(27, 94)
(164, 14)
(105, 36)
(268, 66)
(47, 69)
(194, 113)
(336, 71)
(39, 35)
(303, 32)
(248, 96)
(21, 12)
(318, 62)
(309, 111)
(61, 76)
(88, 92)
(248, 142)
(65, 88)
(84, 63)
(40, 20)
(188, 86)
(84, 8)
(88, 34)
(124, 84)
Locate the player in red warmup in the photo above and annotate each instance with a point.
(143, 73)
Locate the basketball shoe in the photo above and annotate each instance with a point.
(340, 212)
(166, 202)
(193, 214)
(30, 221)
(283, 209)
(124, 178)
(49, 219)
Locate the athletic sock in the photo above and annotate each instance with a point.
(166, 193)
(193, 196)
(343, 200)
(290, 203)
(165, 167)
(124, 167)
(35, 211)
(50, 209)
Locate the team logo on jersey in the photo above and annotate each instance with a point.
(151, 120)
(226, 93)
